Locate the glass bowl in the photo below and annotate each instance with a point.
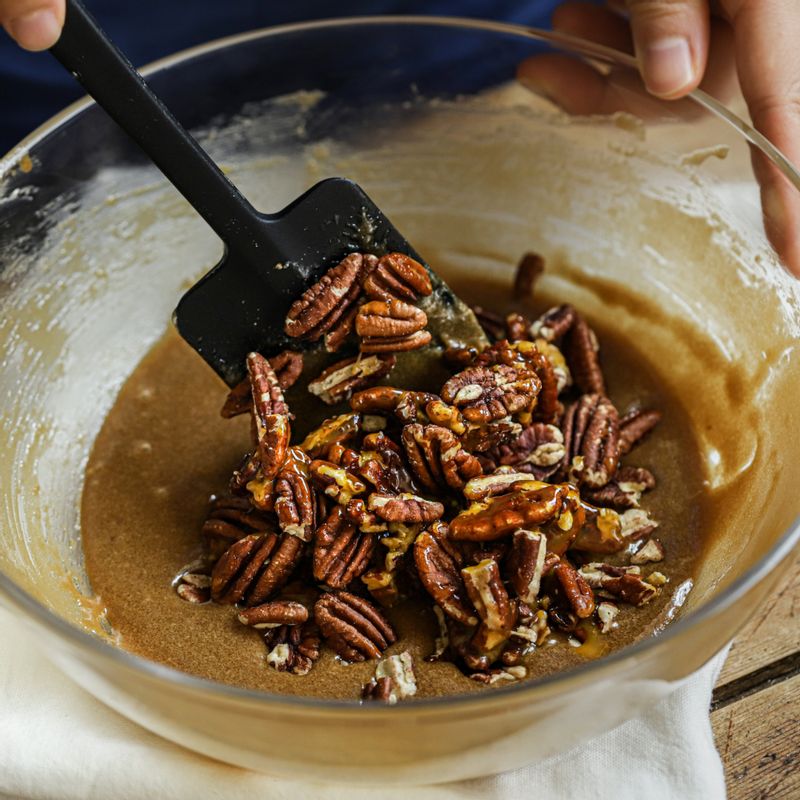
(650, 221)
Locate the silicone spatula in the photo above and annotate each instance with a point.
(269, 259)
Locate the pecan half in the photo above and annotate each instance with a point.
(623, 583)
(398, 276)
(502, 481)
(438, 566)
(338, 382)
(576, 589)
(278, 571)
(529, 270)
(634, 426)
(499, 516)
(490, 598)
(405, 507)
(651, 551)
(341, 551)
(493, 324)
(295, 503)
(381, 463)
(274, 614)
(352, 626)
(486, 394)
(624, 490)
(231, 519)
(293, 648)
(437, 459)
(341, 331)
(239, 566)
(591, 438)
(194, 586)
(287, 367)
(554, 324)
(525, 563)
(322, 305)
(379, 689)
(270, 414)
(582, 352)
(539, 450)
(391, 325)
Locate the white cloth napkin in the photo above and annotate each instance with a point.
(59, 743)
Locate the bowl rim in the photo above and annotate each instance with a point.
(83, 640)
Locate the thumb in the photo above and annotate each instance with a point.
(33, 24)
(671, 41)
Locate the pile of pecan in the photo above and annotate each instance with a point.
(503, 498)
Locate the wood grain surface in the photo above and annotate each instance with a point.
(755, 710)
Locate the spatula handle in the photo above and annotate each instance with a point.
(105, 73)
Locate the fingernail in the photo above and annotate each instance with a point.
(36, 30)
(667, 66)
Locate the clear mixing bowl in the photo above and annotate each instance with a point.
(649, 221)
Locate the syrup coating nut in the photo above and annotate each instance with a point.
(438, 569)
(582, 352)
(337, 482)
(486, 394)
(634, 426)
(274, 614)
(287, 367)
(396, 344)
(331, 431)
(338, 382)
(295, 504)
(270, 415)
(591, 438)
(341, 331)
(341, 552)
(293, 648)
(517, 327)
(322, 305)
(352, 626)
(437, 459)
(398, 276)
(405, 507)
(554, 323)
(576, 589)
(525, 563)
(498, 516)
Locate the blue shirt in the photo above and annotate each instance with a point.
(33, 86)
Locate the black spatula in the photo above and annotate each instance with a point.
(269, 259)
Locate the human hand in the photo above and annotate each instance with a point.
(33, 24)
(683, 44)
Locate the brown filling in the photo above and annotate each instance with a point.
(164, 450)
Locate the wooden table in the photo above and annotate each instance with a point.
(755, 710)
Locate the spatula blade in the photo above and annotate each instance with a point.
(241, 304)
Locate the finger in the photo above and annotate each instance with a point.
(769, 73)
(671, 40)
(579, 89)
(594, 23)
(33, 24)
